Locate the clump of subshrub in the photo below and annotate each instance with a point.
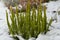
(28, 24)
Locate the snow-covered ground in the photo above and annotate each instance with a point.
(3, 25)
(53, 34)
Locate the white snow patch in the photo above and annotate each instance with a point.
(53, 34)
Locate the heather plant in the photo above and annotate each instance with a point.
(28, 24)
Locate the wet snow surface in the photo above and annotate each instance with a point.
(52, 11)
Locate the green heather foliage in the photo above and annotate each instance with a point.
(28, 24)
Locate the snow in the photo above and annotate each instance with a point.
(53, 34)
(3, 25)
(2, 4)
(32, 38)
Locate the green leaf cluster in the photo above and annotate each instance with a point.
(28, 24)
